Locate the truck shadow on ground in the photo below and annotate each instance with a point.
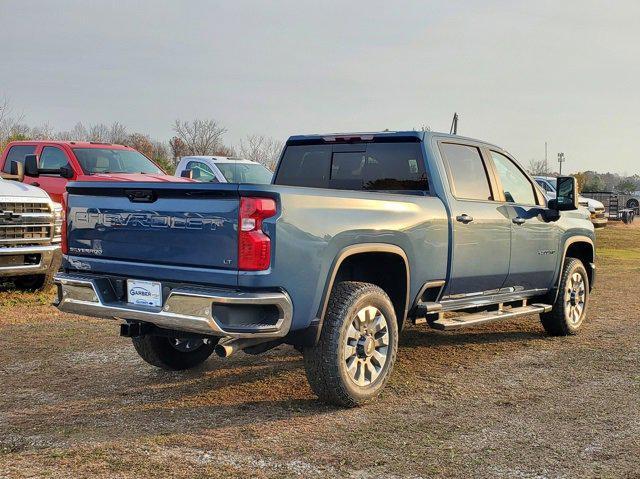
(241, 391)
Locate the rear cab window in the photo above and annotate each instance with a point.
(393, 167)
(17, 153)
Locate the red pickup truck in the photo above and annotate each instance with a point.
(59, 162)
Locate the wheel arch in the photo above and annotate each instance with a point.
(354, 263)
(579, 247)
(582, 248)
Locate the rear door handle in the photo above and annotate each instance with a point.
(465, 218)
(519, 221)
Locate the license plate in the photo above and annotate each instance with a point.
(144, 293)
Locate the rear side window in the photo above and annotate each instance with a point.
(305, 165)
(468, 174)
(394, 167)
(17, 153)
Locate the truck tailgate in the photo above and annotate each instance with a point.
(181, 224)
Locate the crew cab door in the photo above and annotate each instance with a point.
(534, 241)
(53, 158)
(481, 227)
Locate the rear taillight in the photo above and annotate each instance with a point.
(254, 246)
(64, 244)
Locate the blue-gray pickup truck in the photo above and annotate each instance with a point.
(357, 235)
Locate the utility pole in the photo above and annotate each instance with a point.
(561, 160)
(546, 162)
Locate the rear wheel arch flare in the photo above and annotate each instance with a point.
(384, 265)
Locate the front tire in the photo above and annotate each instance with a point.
(570, 307)
(354, 357)
(174, 354)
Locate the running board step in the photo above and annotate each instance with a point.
(448, 324)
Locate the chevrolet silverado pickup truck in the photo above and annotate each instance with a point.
(51, 164)
(30, 234)
(223, 169)
(356, 236)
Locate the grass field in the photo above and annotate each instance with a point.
(503, 400)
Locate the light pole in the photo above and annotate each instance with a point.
(561, 160)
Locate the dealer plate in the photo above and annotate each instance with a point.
(144, 293)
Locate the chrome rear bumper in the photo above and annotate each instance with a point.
(189, 308)
(47, 253)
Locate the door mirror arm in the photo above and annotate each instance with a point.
(31, 169)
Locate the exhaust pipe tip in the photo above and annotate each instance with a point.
(230, 346)
(223, 351)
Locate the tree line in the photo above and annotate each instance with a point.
(592, 180)
(192, 137)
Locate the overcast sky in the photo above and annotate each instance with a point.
(518, 73)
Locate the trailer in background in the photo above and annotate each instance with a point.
(619, 207)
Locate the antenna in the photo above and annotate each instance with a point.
(454, 125)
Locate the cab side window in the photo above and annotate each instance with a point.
(53, 158)
(201, 171)
(467, 171)
(515, 185)
(17, 153)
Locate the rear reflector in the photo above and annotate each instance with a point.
(254, 246)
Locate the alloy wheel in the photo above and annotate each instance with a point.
(367, 346)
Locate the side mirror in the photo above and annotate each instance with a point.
(31, 166)
(66, 172)
(566, 194)
(187, 174)
(17, 170)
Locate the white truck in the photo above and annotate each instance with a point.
(595, 207)
(30, 234)
(223, 169)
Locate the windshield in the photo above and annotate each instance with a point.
(245, 173)
(108, 160)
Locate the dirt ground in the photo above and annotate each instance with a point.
(503, 400)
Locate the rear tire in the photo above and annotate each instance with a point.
(38, 282)
(354, 357)
(570, 307)
(173, 354)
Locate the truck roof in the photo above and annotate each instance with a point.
(218, 159)
(417, 135)
(73, 144)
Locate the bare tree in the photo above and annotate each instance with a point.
(11, 126)
(224, 150)
(260, 148)
(201, 137)
(118, 133)
(43, 132)
(178, 149)
(98, 133)
(538, 167)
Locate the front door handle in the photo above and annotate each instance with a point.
(465, 218)
(35, 183)
(519, 221)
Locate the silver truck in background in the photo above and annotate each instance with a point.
(30, 234)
